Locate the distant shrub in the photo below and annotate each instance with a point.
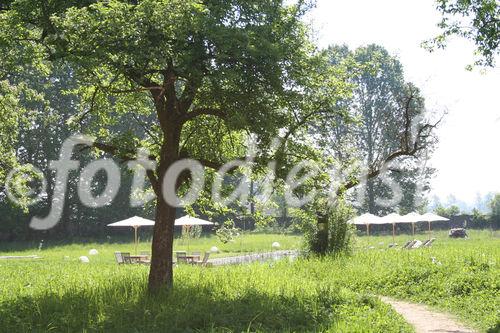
(329, 233)
(340, 233)
(227, 232)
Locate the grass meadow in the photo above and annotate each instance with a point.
(60, 294)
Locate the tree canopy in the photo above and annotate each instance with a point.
(475, 20)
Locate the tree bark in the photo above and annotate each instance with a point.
(371, 196)
(161, 273)
(322, 235)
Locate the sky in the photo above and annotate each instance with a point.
(468, 156)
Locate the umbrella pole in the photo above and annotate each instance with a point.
(135, 232)
(429, 229)
(413, 229)
(368, 230)
(393, 232)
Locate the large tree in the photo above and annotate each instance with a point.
(382, 105)
(197, 76)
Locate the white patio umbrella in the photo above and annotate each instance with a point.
(188, 221)
(134, 222)
(431, 217)
(411, 218)
(392, 218)
(366, 219)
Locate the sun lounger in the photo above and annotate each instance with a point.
(145, 253)
(409, 244)
(181, 258)
(123, 258)
(119, 258)
(196, 254)
(203, 262)
(429, 242)
(417, 244)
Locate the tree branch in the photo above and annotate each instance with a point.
(409, 146)
(146, 129)
(124, 155)
(204, 111)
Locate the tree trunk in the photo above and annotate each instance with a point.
(161, 273)
(322, 236)
(371, 196)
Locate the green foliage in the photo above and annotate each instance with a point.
(10, 115)
(477, 216)
(495, 211)
(340, 232)
(14, 116)
(229, 56)
(448, 212)
(495, 206)
(476, 20)
(227, 232)
(336, 239)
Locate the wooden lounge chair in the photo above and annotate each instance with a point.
(408, 244)
(126, 258)
(122, 258)
(181, 258)
(145, 257)
(119, 258)
(417, 244)
(198, 254)
(429, 242)
(203, 262)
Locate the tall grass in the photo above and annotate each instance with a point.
(59, 294)
(71, 297)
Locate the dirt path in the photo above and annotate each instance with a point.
(426, 321)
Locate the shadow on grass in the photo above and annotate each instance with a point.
(125, 308)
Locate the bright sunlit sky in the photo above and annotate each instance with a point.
(467, 159)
